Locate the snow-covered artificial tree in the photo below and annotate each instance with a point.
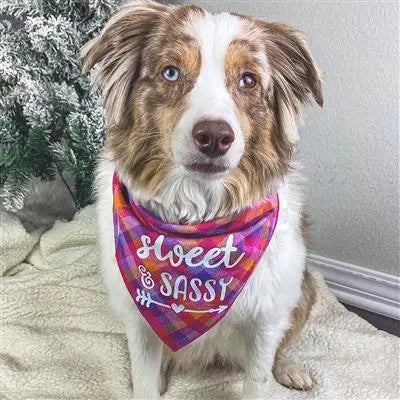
(51, 122)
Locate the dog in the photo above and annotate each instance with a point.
(202, 113)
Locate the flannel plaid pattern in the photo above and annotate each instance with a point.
(181, 312)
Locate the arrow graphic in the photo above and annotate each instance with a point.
(144, 298)
(218, 310)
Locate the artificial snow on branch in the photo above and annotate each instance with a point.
(51, 122)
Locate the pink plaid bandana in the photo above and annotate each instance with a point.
(184, 278)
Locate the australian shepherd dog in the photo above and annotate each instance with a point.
(202, 112)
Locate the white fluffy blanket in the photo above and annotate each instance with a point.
(59, 340)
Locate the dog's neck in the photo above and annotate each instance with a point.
(185, 200)
(182, 199)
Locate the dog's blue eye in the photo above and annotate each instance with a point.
(171, 74)
(247, 81)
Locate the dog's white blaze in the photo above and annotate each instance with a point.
(210, 98)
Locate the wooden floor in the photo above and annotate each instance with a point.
(383, 323)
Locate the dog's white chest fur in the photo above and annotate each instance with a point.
(269, 296)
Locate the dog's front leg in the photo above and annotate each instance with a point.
(262, 343)
(145, 350)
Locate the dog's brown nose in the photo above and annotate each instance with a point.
(213, 138)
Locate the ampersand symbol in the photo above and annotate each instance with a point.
(146, 279)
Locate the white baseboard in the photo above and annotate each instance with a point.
(360, 287)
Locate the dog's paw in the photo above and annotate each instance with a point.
(291, 375)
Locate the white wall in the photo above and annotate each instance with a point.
(350, 149)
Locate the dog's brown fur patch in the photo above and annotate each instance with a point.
(301, 313)
(287, 372)
(142, 107)
(269, 110)
(263, 158)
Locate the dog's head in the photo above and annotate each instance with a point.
(201, 96)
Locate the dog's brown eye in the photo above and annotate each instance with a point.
(247, 81)
(171, 73)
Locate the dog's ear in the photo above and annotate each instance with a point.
(117, 53)
(295, 76)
